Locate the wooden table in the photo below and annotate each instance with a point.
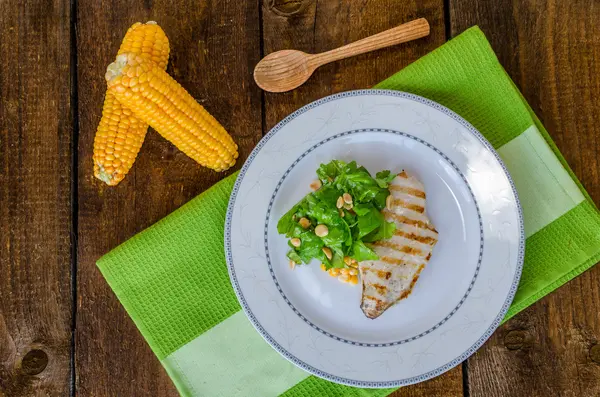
(62, 331)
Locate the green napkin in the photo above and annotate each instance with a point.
(173, 281)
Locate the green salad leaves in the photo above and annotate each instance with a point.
(348, 228)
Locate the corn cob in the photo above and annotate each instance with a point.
(120, 134)
(157, 99)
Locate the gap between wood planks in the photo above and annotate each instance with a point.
(464, 364)
(74, 187)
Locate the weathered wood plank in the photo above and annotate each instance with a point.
(316, 26)
(36, 127)
(551, 49)
(214, 46)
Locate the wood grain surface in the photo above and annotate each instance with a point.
(551, 49)
(35, 198)
(56, 220)
(214, 47)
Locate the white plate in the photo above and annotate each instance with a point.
(462, 295)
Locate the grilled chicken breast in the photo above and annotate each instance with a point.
(402, 258)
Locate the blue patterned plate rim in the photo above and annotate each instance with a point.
(309, 368)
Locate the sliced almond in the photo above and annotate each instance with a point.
(321, 230)
(305, 223)
(388, 202)
(316, 184)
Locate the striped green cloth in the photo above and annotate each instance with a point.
(173, 281)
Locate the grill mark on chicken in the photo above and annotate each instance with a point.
(401, 203)
(408, 190)
(396, 261)
(398, 247)
(412, 283)
(414, 237)
(381, 289)
(382, 274)
(378, 302)
(403, 219)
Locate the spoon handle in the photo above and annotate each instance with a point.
(400, 34)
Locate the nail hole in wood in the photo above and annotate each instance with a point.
(34, 362)
(595, 354)
(514, 340)
(288, 8)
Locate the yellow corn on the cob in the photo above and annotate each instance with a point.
(120, 134)
(157, 99)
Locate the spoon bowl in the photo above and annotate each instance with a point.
(283, 70)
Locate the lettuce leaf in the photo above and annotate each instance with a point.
(384, 178)
(361, 252)
(369, 222)
(348, 233)
(385, 231)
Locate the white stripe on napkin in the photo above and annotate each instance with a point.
(231, 359)
(546, 190)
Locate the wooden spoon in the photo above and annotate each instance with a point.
(287, 69)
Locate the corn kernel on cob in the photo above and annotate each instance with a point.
(120, 134)
(157, 99)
